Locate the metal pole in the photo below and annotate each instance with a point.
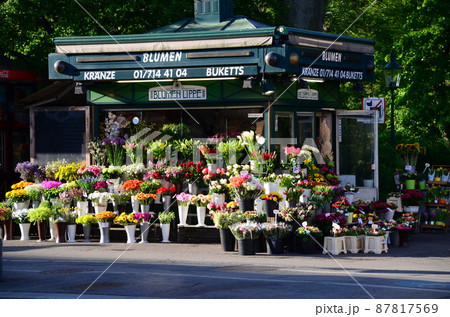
(392, 118)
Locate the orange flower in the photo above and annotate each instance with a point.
(21, 185)
(132, 185)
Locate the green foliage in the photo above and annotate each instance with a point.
(42, 213)
(166, 218)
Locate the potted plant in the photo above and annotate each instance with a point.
(270, 202)
(246, 234)
(28, 170)
(115, 151)
(6, 219)
(41, 216)
(325, 221)
(218, 189)
(183, 207)
(201, 202)
(275, 234)
(245, 189)
(166, 194)
(129, 222)
(35, 192)
(70, 215)
(411, 199)
(18, 197)
(270, 183)
(145, 200)
(143, 219)
(86, 221)
(193, 175)
(119, 201)
(223, 218)
(21, 218)
(255, 216)
(99, 200)
(133, 186)
(308, 239)
(104, 220)
(375, 240)
(165, 219)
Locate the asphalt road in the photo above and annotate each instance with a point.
(203, 271)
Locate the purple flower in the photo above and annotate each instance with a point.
(106, 141)
(51, 184)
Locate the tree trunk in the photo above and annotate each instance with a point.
(305, 14)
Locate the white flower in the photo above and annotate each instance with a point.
(261, 140)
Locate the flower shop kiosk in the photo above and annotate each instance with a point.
(219, 73)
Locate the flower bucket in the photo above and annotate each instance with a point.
(165, 231)
(246, 246)
(413, 209)
(227, 240)
(218, 198)
(246, 204)
(422, 185)
(24, 231)
(182, 214)
(201, 213)
(130, 230)
(410, 184)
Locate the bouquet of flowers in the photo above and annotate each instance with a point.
(132, 186)
(35, 191)
(145, 198)
(209, 152)
(183, 199)
(325, 221)
(78, 194)
(412, 197)
(163, 191)
(275, 230)
(66, 214)
(120, 198)
(86, 184)
(144, 217)
(374, 232)
(166, 218)
(271, 178)
(410, 152)
(253, 144)
(223, 218)
(99, 197)
(21, 185)
(223, 207)
(97, 152)
(287, 180)
(209, 176)
(5, 212)
(90, 170)
(174, 174)
(200, 200)
(114, 150)
(219, 187)
(232, 150)
(298, 214)
(273, 196)
(66, 197)
(17, 195)
(294, 193)
(236, 169)
(133, 171)
(111, 172)
(245, 187)
(250, 230)
(28, 170)
(268, 159)
(149, 186)
(126, 219)
(193, 172)
(354, 231)
(20, 216)
(292, 153)
(309, 231)
(86, 220)
(321, 194)
(257, 216)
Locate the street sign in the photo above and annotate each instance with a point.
(378, 104)
(177, 92)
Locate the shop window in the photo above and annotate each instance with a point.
(305, 127)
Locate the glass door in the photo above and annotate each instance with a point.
(357, 149)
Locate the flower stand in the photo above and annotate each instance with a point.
(375, 244)
(104, 228)
(334, 245)
(60, 228)
(144, 227)
(246, 246)
(42, 230)
(201, 213)
(227, 240)
(165, 231)
(182, 214)
(130, 230)
(8, 229)
(87, 233)
(71, 233)
(354, 244)
(24, 231)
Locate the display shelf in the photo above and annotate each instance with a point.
(434, 227)
(435, 205)
(438, 183)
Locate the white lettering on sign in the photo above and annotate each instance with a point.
(161, 57)
(102, 75)
(224, 71)
(308, 94)
(177, 92)
(332, 56)
(331, 74)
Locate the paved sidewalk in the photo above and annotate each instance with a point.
(64, 270)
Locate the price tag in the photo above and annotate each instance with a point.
(276, 211)
(360, 220)
(408, 168)
(374, 226)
